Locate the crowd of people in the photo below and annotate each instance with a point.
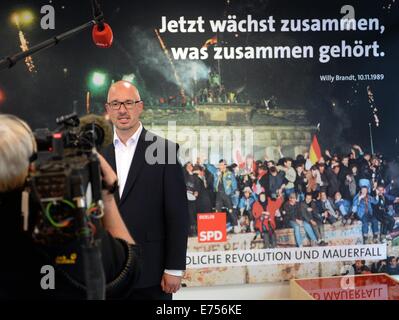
(390, 265)
(209, 91)
(206, 95)
(265, 195)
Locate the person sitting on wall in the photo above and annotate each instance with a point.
(311, 215)
(245, 209)
(362, 206)
(265, 220)
(384, 212)
(327, 208)
(292, 215)
(344, 208)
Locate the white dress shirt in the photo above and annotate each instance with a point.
(124, 154)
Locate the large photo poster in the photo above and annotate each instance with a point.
(285, 177)
(286, 116)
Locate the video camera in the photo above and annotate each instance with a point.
(67, 182)
(67, 185)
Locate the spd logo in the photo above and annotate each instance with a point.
(211, 227)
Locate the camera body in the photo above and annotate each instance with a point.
(66, 182)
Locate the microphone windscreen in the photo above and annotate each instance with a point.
(100, 122)
(103, 38)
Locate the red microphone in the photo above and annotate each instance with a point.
(102, 35)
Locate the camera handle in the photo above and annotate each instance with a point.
(92, 259)
(95, 177)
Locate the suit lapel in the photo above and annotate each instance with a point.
(135, 166)
(109, 154)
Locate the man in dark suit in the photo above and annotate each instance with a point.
(152, 194)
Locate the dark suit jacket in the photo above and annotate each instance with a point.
(154, 206)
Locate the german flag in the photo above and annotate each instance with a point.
(210, 42)
(314, 153)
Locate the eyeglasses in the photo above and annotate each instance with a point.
(129, 104)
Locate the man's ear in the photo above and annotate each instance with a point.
(141, 107)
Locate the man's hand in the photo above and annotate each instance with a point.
(202, 159)
(170, 284)
(327, 153)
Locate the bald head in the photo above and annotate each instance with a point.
(126, 115)
(122, 91)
